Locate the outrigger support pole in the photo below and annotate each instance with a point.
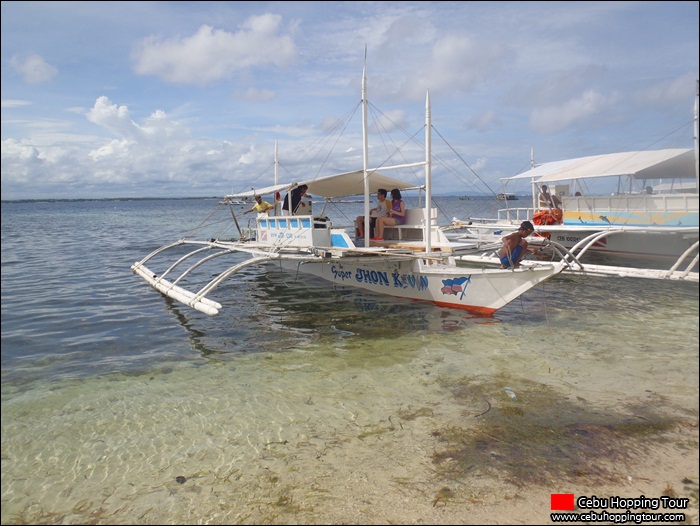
(240, 234)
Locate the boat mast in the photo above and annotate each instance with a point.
(365, 154)
(428, 189)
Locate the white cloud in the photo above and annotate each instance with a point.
(663, 93)
(256, 95)
(460, 62)
(211, 55)
(20, 151)
(392, 120)
(485, 121)
(10, 103)
(114, 118)
(117, 120)
(150, 152)
(250, 157)
(33, 68)
(554, 119)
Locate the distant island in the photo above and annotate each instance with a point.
(97, 199)
(88, 199)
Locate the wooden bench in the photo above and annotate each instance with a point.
(412, 229)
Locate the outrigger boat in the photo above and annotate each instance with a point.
(668, 220)
(416, 260)
(638, 223)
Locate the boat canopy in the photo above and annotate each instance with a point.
(336, 186)
(650, 164)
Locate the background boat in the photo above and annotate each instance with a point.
(639, 222)
(635, 206)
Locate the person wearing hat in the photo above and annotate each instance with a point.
(260, 206)
(514, 246)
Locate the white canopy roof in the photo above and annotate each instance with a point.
(656, 164)
(339, 185)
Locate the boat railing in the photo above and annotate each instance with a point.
(686, 203)
(632, 203)
(514, 215)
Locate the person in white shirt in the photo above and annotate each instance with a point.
(381, 210)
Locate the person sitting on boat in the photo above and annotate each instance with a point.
(514, 246)
(397, 215)
(298, 204)
(381, 210)
(547, 199)
(260, 206)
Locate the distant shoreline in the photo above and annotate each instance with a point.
(92, 199)
(88, 199)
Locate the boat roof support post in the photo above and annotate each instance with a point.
(695, 119)
(533, 183)
(233, 214)
(276, 201)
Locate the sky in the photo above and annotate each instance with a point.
(189, 99)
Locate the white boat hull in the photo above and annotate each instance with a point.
(478, 290)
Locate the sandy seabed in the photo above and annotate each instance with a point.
(428, 435)
(411, 468)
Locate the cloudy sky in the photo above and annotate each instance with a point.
(184, 99)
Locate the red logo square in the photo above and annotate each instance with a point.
(563, 501)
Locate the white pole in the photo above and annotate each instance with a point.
(277, 204)
(428, 187)
(695, 118)
(533, 183)
(365, 154)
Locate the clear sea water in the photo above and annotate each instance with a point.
(297, 392)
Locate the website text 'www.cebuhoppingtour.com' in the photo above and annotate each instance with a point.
(567, 502)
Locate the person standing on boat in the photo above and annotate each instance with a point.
(514, 246)
(297, 203)
(397, 215)
(260, 206)
(547, 199)
(381, 210)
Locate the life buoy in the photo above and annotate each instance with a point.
(548, 217)
(558, 215)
